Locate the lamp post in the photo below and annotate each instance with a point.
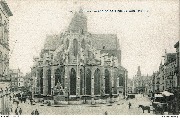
(52, 92)
(1, 96)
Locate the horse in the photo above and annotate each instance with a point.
(140, 106)
(145, 108)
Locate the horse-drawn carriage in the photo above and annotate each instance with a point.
(159, 108)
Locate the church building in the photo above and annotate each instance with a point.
(83, 64)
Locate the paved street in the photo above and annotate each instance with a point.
(115, 109)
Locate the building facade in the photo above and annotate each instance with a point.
(4, 98)
(84, 64)
(5, 13)
(166, 78)
(17, 80)
(170, 75)
(177, 68)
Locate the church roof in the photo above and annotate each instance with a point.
(108, 41)
(52, 42)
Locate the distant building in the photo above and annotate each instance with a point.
(141, 83)
(17, 80)
(170, 65)
(130, 86)
(27, 82)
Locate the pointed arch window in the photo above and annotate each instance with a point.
(83, 44)
(6, 59)
(75, 47)
(67, 43)
(5, 26)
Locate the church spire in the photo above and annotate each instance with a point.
(78, 23)
(139, 71)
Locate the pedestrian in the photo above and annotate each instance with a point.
(16, 112)
(105, 113)
(129, 105)
(36, 112)
(24, 100)
(17, 103)
(7, 111)
(32, 113)
(10, 106)
(31, 101)
(10, 97)
(20, 111)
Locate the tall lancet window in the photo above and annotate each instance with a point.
(75, 47)
(83, 44)
(5, 32)
(67, 43)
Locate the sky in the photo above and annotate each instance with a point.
(143, 36)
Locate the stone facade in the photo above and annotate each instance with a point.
(5, 13)
(4, 98)
(84, 64)
(17, 80)
(170, 74)
(166, 77)
(177, 68)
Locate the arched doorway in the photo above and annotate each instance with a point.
(59, 76)
(81, 82)
(120, 80)
(41, 81)
(88, 82)
(73, 82)
(97, 77)
(49, 81)
(107, 82)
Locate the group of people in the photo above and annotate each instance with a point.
(35, 112)
(18, 111)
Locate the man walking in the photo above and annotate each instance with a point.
(20, 111)
(16, 111)
(32, 113)
(129, 105)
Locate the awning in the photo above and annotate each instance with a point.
(158, 95)
(166, 93)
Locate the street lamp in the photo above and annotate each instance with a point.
(1, 96)
(52, 92)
